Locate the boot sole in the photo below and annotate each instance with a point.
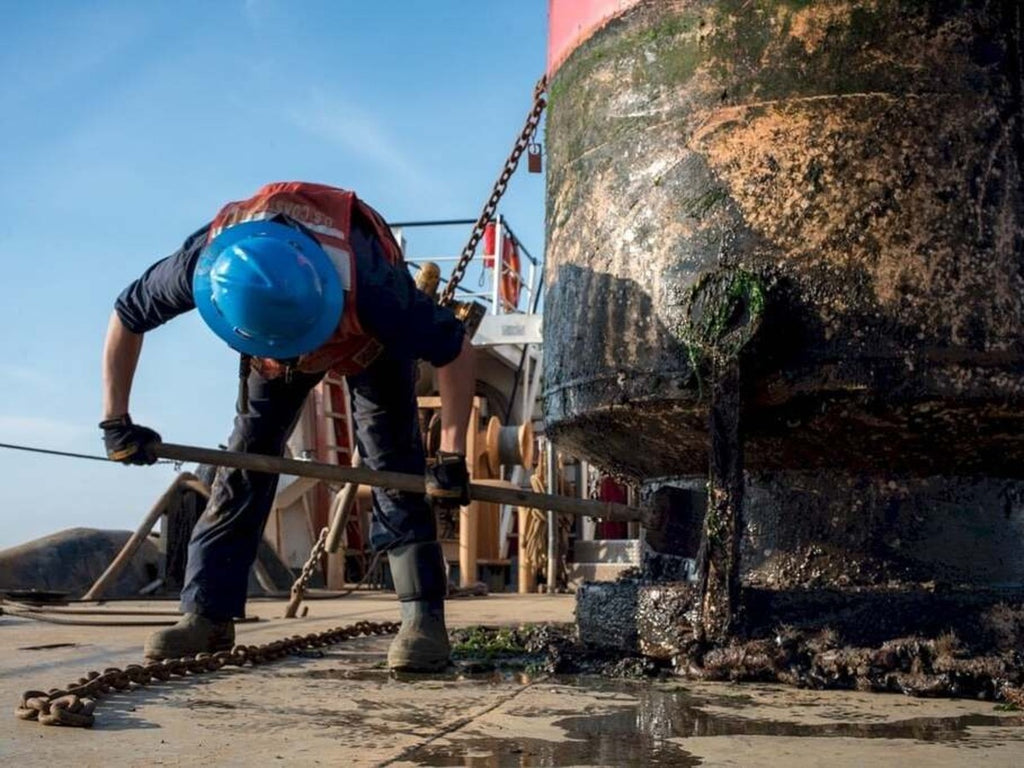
(153, 654)
(412, 664)
(420, 668)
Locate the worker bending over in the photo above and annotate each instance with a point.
(302, 279)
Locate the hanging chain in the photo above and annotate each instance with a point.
(525, 137)
(74, 705)
(312, 563)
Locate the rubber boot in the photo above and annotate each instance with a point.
(421, 584)
(191, 635)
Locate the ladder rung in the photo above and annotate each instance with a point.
(335, 414)
(332, 380)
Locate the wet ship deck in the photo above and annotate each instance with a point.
(342, 707)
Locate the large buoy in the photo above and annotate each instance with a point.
(831, 194)
(861, 162)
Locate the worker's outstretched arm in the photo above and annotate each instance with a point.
(125, 442)
(447, 479)
(120, 357)
(457, 382)
(161, 293)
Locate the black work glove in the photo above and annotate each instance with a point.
(447, 480)
(128, 443)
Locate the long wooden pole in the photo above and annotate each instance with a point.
(495, 491)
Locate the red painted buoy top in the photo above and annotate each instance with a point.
(570, 22)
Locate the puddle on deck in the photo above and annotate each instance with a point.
(650, 715)
(640, 732)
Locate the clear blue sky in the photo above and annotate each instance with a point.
(125, 125)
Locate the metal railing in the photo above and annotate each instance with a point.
(525, 277)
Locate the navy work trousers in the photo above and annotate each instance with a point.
(225, 539)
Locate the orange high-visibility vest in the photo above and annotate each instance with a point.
(326, 212)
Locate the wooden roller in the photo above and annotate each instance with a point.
(508, 446)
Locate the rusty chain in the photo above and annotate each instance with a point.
(524, 140)
(311, 564)
(73, 705)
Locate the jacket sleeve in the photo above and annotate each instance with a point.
(164, 291)
(391, 308)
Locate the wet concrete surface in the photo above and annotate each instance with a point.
(342, 707)
(647, 730)
(666, 724)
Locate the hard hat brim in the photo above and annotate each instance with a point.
(333, 291)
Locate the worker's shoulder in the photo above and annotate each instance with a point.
(193, 244)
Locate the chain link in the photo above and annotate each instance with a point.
(311, 564)
(525, 137)
(74, 705)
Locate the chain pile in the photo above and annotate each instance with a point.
(524, 140)
(74, 705)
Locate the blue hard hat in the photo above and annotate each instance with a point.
(268, 290)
